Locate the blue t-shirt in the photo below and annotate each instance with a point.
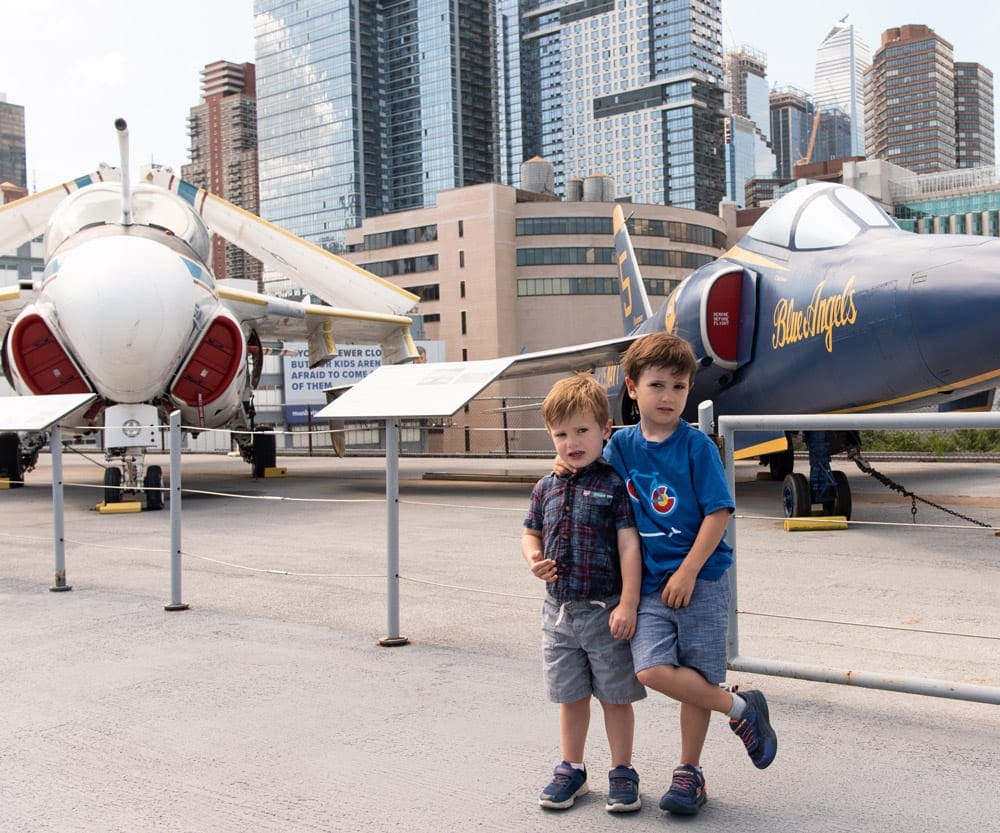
(673, 485)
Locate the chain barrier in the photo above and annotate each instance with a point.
(854, 454)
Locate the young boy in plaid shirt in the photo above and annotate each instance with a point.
(580, 538)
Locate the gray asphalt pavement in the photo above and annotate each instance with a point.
(269, 705)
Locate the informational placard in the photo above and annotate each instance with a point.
(306, 385)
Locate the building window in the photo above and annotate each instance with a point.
(461, 228)
(426, 292)
(464, 321)
(461, 258)
(465, 354)
(461, 289)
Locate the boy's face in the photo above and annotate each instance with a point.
(661, 394)
(579, 439)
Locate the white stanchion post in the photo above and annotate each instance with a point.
(393, 640)
(175, 514)
(58, 520)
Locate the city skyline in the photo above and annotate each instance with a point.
(145, 66)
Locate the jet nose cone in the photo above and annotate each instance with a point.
(128, 307)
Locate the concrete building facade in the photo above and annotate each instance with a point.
(13, 156)
(223, 131)
(910, 104)
(974, 115)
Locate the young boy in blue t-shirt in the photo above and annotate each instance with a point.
(580, 538)
(677, 484)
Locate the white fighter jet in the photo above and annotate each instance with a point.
(128, 309)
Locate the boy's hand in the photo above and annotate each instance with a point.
(562, 468)
(678, 590)
(622, 622)
(542, 567)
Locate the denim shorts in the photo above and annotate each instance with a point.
(581, 657)
(692, 636)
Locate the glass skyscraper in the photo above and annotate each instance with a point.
(841, 61)
(630, 90)
(366, 107)
(749, 153)
(791, 123)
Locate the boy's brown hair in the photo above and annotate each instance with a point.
(659, 350)
(579, 393)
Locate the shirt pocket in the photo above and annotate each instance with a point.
(596, 509)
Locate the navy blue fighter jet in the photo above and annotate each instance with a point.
(827, 306)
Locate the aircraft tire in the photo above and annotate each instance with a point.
(10, 459)
(842, 503)
(153, 482)
(796, 497)
(112, 485)
(265, 453)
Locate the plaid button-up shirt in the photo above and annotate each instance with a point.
(579, 517)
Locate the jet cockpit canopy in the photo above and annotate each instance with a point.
(101, 204)
(819, 216)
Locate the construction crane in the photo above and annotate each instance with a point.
(812, 139)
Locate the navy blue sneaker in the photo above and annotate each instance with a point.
(567, 784)
(623, 790)
(754, 729)
(686, 793)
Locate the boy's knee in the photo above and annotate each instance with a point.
(657, 677)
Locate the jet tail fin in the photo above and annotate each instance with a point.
(632, 291)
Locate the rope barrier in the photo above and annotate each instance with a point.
(866, 625)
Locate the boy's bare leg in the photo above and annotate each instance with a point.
(694, 729)
(619, 723)
(574, 721)
(698, 698)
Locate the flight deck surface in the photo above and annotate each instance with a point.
(268, 705)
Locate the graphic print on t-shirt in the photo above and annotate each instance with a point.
(662, 497)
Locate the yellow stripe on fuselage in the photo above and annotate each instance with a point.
(770, 447)
(913, 397)
(738, 253)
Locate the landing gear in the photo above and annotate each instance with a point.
(152, 484)
(10, 459)
(840, 504)
(127, 474)
(265, 453)
(825, 486)
(795, 496)
(112, 485)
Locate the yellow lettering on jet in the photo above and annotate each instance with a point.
(822, 316)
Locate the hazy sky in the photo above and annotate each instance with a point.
(77, 65)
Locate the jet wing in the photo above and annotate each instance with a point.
(336, 281)
(12, 300)
(321, 327)
(439, 389)
(576, 358)
(26, 218)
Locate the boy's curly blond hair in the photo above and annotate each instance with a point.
(579, 393)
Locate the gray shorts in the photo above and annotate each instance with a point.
(692, 636)
(581, 657)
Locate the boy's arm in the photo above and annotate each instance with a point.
(678, 590)
(630, 557)
(531, 550)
